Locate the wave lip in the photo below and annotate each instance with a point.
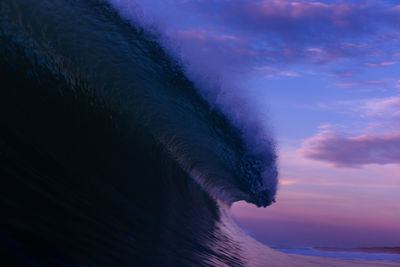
(256, 173)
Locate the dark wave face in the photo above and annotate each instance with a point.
(108, 155)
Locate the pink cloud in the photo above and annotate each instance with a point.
(358, 83)
(270, 72)
(354, 45)
(353, 151)
(381, 64)
(382, 108)
(337, 14)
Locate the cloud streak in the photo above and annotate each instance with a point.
(381, 64)
(353, 152)
(358, 83)
(382, 108)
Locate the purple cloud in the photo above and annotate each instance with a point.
(353, 151)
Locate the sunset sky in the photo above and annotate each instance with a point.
(324, 78)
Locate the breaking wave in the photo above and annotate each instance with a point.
(109, 153)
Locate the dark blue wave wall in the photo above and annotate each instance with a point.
(108, 156)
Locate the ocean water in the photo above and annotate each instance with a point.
(109, 156)
(344, 254)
